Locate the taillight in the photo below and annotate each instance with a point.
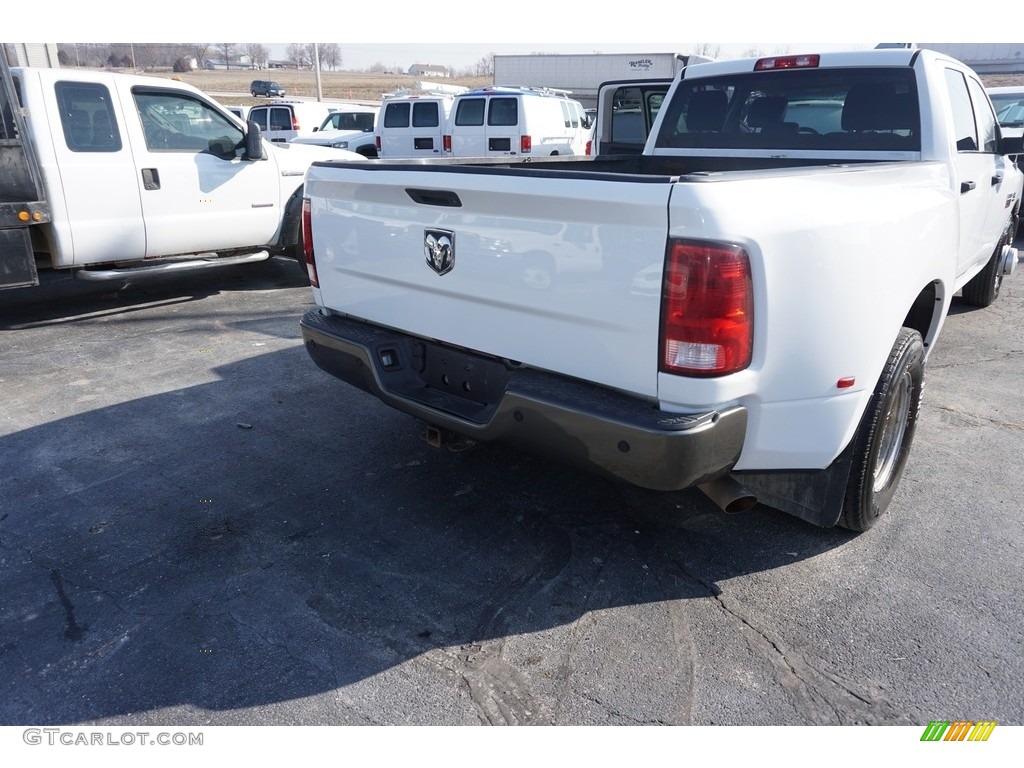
(707, 309)
(307, 243)
(295, 122)
(525, 144)
(590, 147)
(446, 142)
(787, 62)
(376, 141)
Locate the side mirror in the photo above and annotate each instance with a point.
(253, 142)
(1011, 145)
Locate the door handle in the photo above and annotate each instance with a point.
(150, 178)
(966, 186)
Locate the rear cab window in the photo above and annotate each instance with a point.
(819, 109)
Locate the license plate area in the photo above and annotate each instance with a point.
(461, 383)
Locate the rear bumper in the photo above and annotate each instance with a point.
(567, 420)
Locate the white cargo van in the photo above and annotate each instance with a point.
(517, 120)
(283, 120)
(413, 126)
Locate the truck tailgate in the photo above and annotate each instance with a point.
(547, 268)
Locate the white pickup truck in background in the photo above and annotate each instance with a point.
(746, 307)
(117, 176)
(349, 127)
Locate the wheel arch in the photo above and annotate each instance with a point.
(927, 312)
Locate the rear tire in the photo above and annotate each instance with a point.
(983, 288)
(886, 431)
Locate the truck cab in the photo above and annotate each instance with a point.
(138, 172)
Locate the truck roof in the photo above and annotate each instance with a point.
(889, 57)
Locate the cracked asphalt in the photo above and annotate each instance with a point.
(198, 526)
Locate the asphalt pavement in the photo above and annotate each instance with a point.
(198, 526)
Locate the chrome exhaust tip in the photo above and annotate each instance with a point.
(728, 495)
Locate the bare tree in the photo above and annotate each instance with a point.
(708, 50)
(200, 52)
(296, 54)
(148, 55)
(484, 67)
(330, 55)
(258, 54)
(226, 50)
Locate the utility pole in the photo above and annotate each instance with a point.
(316, 68)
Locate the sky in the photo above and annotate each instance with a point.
(460, 32)
(460, 55)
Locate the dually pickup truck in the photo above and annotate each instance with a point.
(746, 307)
(116, 176)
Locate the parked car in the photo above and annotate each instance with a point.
(514, 120)
(745, 307)
(265, 88)
(351, 128)
(287, 120)
(241, 112)
(1008, 101)
(111, 176)
(413, 125)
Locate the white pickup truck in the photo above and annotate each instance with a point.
(117, 176)
(747, 306)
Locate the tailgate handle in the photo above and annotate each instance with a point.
(442, 197)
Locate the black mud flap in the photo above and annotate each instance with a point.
(814, 495)
(17, 262)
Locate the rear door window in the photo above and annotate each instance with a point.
(470, 112)
(503, 111)
(425, 115)
(397, 115)
(87, 117)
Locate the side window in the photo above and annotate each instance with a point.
(470, 112)
(425, 115)
(87, 117)
(177, 122)
(985, 118)
(397, 115)
(503, 112)
(566, 118)
(966, 133)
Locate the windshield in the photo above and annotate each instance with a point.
(833, 109)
